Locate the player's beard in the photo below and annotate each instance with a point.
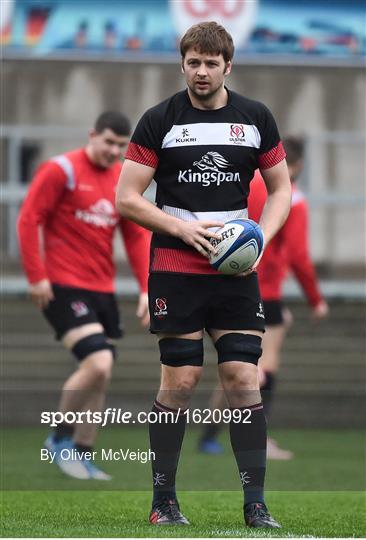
(204, 97)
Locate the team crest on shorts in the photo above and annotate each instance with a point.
(79, 308)
(161, 308)
(260, 313)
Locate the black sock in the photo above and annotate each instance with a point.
(63, 431)
(249, 441)
(267, 392)
(210, 431)
(166, 439)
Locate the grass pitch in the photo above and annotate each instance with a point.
(38, 501)
(212, 514)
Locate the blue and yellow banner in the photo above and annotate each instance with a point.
(317, 28)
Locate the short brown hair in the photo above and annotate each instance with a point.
(210, 38)
(294, 147)
(115, 121)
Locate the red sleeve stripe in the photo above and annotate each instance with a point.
(142, 155)
(272, 157)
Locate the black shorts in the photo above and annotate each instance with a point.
(182, 304)
(74, 307)
(273, 312)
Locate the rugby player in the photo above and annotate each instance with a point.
(288, 251)
(71, 272)
(202, 147)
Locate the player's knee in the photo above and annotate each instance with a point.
(180, 393)
(178, 352)
(186, 384)
(92, 344)
(101, 366)
(245, 379)
(97, 369)
(234, 346)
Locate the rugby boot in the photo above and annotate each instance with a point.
(166, 512)
(210, 446)
(94, 472)
(64, 458)
(277, 453)
(257, 516)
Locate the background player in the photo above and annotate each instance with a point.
(202, 146)
(71, 272)
(288, 250)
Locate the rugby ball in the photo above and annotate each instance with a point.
(240, 246)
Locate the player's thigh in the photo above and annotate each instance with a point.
(236, 325)
(74, 335)
(71, 309)
(272, 344)
(75, 314)
(93, 351)
(216, 333)
(276, 328)
(238, 353)
(191, 335)
(176, 304)
(108, 314)
(234, 305)
(181, 360)
(288, 317)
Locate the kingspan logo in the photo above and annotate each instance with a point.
(100, 214)
(211, 171)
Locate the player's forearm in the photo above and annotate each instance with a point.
(141, 211)
(29, 247)
(305, 274)
(137, 243)
(275, 213)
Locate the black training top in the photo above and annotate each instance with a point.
(204, 161)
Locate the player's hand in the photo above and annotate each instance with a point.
(142, 311)
(253, 268)
(320, 311)
(41, 293)
(197, 235)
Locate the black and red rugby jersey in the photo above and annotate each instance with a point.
(204, 161)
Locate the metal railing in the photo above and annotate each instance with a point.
(324, 195)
